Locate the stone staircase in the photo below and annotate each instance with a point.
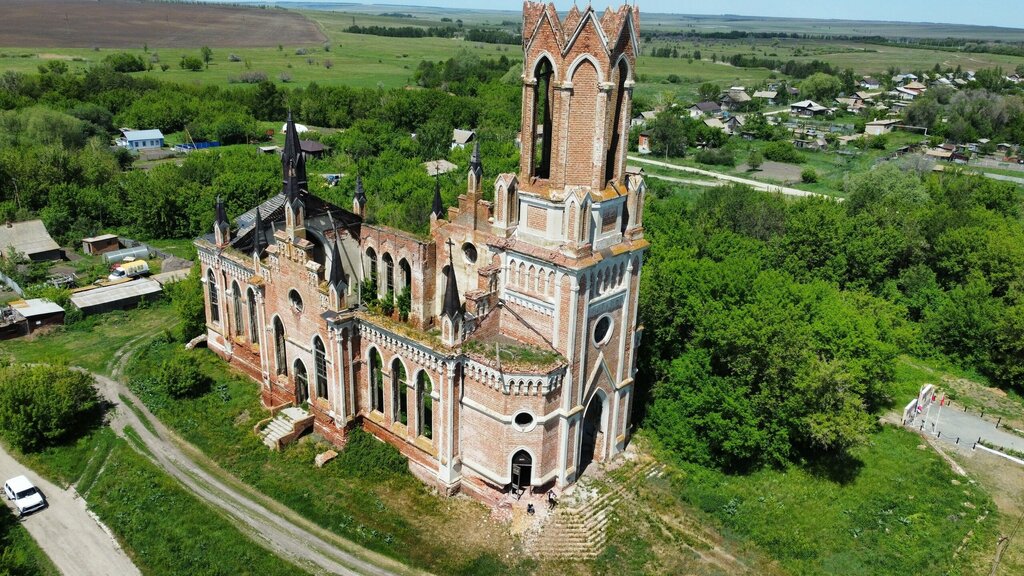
(286, 425)
(578, 527)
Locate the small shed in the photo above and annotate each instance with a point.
(115, 297)
(39, 313)
(879, 127)
(438, 167)
(29, 238)
(312, 149)
(100, 244)
(643, 144)
(119, 255)
(462, 137)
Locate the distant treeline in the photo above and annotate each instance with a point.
(789, 67)
(948, 44)
(472, 34)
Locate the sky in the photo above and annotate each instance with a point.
(980, 12)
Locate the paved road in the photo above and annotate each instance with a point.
(269, 523)
(762, 186)
(968, 427)
(66, 531)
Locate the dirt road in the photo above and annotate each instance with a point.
(69, 535)
(272, 525)
(762, 186)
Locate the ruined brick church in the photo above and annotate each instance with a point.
(514, 364)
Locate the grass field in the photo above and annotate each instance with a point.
(372, 61)
(19, 553)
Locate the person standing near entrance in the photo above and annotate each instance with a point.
(552, 499)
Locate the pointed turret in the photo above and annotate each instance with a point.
(437, 210)
(359, 199)
(294, 208)
(474, 183)
(221, 226)
(337, 285)
(259, 239)
(451, 306)
(293, 164)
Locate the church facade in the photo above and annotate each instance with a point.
(504, 352)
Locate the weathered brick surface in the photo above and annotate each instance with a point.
(517, 287)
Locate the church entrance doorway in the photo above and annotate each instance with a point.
(593, 432)
(522, 471)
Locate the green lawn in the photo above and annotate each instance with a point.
(19, 553)
(366, 495)
(894, 508)
(92, 342)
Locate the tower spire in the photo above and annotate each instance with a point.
(475, 166)
(221, 226)
(452, 306)
(337, 278)
(437, 211)
(359, 199)
(259, 241)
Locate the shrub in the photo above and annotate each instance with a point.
(716, 156)
(809, 176)
(125, 62)
(782, 152)
(43, 404)
(193, 63)
(366, 457)
(179, 377)
(755, 160)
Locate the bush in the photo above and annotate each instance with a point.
(366, 457)
(125, 62)
(782, 152)
(42, 405)
(716, 156)
(179, 377)
(809, 176)
(755, 160)
(193, 63)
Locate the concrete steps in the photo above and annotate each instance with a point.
(286, 426)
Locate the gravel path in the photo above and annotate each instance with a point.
(272, 525)
(66, 531)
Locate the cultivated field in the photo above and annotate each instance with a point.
(127, 23)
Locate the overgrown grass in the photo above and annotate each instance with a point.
(64, 464)
(366, 494)
(895, 504)
(166, 529)
(19, 553)
(92, 342)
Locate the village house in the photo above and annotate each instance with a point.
(768, 96)
(29, 239)
(879, 127)
(734, 98)
(869, 83)
(140, 139)
(462, 137)
(807, 109)
(497, 354)
(701, 109)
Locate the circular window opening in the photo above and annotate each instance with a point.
(602, 330)
(469, 251)
(523, 421)
(296, 300)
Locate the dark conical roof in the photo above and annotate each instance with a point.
(438, 207)
(222, 217)
(452, 304)
(475, 166)
(337, 278)
(293, 164)
(360, 193)
(259, 240)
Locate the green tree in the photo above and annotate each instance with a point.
(207, 55)
(708, 92)
(821, 87)
(754, 160)
(187, 298)
(43, 404)
(192, 63)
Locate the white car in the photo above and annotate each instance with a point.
(26, 496)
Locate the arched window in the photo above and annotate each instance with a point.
(236, 308)
(254, 331)
(612, 156)
(541, 137)
(376, 382)
(406, 270)
(425, 405)
(211, 287)
(301, 383)
(371, 256)
(389, 273)
(280, 354)
(399, 392)
(320, 367)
